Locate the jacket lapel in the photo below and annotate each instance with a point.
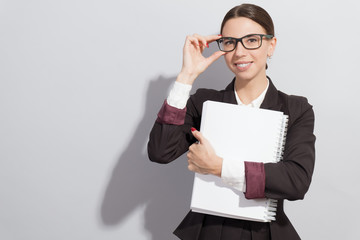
(271, 100)
(229, 94)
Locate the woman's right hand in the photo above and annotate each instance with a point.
(194, 63)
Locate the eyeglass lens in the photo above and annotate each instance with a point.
(249, 42)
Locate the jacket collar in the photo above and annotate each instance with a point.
(270, 101)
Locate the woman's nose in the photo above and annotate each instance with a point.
(240, 50)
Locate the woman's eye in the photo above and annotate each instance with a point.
(229, 42)
(252, 40)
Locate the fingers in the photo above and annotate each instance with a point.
(202, 41)
(197, 40)
(198, 135)
(212, 38)
(192, 167)
(191, 164)
(215, 56)
(198, 156)
(194, 62)
(195, 168)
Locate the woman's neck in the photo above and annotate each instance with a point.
(249, 90)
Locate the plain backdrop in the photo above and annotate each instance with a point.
(81, 82)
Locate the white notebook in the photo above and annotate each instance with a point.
(247, 134)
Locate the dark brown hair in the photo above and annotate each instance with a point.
(253, 12)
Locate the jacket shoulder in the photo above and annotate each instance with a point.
(295, 101)
(295, 106)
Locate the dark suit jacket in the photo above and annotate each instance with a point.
(287, 179)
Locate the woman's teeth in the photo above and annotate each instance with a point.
(242, 64)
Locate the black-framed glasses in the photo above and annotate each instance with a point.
(251, 41)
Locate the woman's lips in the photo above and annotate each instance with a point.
(243, 66)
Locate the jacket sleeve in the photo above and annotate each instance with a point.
(171, 135)
(290, 178)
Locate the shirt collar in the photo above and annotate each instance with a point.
(256, 103)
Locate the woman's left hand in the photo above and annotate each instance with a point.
(202, 157)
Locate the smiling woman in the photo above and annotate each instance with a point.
(247, 39)
(248, 60)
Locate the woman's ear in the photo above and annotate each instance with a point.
(272, 46)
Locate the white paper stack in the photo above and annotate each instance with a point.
(246, 134)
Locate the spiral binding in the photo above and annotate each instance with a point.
(270, 213)
(279, 152)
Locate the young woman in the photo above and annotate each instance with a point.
(247, 39)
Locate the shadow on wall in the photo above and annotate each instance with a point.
(165, 190)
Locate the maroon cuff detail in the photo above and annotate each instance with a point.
(255, 180)
(171, 115)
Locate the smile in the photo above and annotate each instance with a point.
(243, 66)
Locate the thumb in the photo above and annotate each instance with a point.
(198, 135)
(215, 56)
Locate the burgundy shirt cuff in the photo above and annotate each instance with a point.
(255, 180)
(171, 115)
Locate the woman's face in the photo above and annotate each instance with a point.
(247, 64)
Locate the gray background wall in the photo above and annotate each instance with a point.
(81, 83)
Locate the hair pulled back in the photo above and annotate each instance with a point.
(253, 12)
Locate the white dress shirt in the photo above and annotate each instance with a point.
(233, 170)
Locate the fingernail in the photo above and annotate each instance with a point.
(219, 35)
(193, 129)
(207, 45)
